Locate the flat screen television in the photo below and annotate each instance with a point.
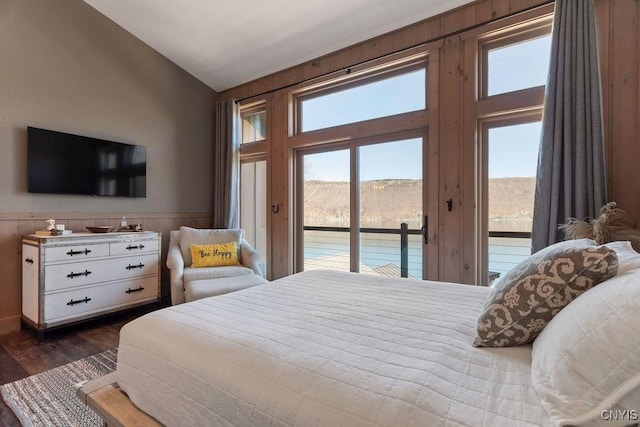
(62, 163)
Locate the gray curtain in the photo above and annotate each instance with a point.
(571, 170)
(226, 165)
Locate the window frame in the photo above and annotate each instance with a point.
(356, 76)
(253, 152)
(503, 38)
(503, 109)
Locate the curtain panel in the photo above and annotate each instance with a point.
(226, 165)
(571, 168)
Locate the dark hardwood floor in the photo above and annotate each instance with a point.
(22, 356)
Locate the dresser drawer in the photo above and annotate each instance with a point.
(69, 275)
(75, 252)
(134, 247)
(93, 299)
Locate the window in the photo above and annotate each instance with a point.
(361, 139)
(254, 123)
(520, 65)
(326, 205)
(253, 206)
(513, 65)
(359, 203)
(511, 169)
(253, 178)
(394, 92)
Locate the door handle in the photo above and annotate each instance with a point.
(425, 229)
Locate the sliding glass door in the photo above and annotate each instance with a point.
(362, 208)
(390, 208)
(327, 210)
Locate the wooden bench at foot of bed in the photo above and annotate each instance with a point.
(112, 404)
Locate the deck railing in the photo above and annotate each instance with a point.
(385, 251)
(398, 252)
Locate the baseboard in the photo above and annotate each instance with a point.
(9, 324)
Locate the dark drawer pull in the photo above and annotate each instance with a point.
(85, 300)
(131, 267)
(72, 252)
(130, 291)
(130, 247)
(84, 273)
(29, 261)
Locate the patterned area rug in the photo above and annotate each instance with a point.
(49, 398)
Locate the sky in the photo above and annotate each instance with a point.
(513, 150)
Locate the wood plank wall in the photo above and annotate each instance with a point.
(619, 42)
(14, 226)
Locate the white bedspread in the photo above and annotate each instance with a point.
(325, 348)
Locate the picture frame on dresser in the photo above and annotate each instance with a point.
(73, 278)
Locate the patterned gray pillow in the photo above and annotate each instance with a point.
(534, 291)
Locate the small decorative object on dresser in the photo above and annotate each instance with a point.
(66, 279)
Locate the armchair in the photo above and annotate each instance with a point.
(179, 258)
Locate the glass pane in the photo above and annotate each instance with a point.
(254, 126)
(518, 66)
(513, 159)
(390, 194)
(393, 95)
(326, 204)
(253, 207)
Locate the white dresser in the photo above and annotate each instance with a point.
(75, 277)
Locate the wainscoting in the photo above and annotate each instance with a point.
(14, 225)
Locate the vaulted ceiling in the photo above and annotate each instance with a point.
(225, 43)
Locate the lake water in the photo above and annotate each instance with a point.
(376, 250)
(329, 249)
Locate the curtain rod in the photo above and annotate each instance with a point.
(348, 68)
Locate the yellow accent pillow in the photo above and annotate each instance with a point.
(214, 255)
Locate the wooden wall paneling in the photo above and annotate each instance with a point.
(432, 160)
(468, 17)
(9, 263)
(468, 168)
(483, 11)
(453, 20)
(624, 117)
(267, 258)
(71, 224)
(278, 176)
(450, 165)
(500, 8)
(603, 24)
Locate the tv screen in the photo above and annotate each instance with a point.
(62, 163)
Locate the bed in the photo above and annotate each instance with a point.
(327, 348)
(546, 346)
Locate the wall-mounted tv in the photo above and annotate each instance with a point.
(62, 163)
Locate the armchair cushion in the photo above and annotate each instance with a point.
(189, 236)
(191, 273)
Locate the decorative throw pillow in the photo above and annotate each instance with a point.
(214, 255)
(189, 236)
(534, 291)
(585, 365)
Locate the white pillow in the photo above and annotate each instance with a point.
(628, 258)
(206, 236)
(587, 359)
